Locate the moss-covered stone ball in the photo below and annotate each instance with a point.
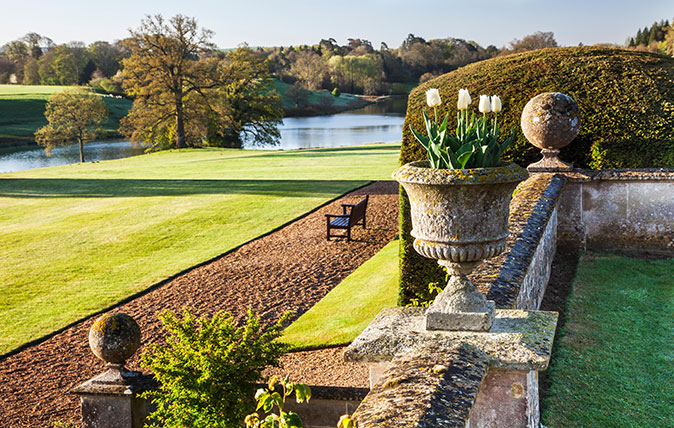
(114, 337)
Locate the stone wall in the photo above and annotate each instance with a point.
(618, 209)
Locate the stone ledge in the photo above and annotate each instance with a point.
(518, 340)
(135, 386)
(505, 289)
(653, 174)
(530, 211)
(423, 389)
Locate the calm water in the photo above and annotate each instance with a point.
(18, 159)
(381, 122)
(376, 123)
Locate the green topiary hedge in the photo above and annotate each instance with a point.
(626, 99)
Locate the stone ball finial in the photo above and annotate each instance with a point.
(114, 338)
(550, 121)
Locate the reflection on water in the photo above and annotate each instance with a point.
(381, 122)
(18, 159)
(375, 123)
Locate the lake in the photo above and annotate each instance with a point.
(381, 122)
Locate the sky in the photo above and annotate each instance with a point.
(282, 23)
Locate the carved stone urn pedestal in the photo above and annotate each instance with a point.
(459, 217)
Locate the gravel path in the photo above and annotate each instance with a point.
(290, 269)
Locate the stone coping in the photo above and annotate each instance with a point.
(500, 277)
(518, 340)
(422, 389)
(653, 174)
(135, 386)
(505, 288)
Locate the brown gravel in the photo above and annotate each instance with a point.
(290, 269)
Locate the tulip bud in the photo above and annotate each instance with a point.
(464, 99)
(495, 104)
(484, 106)
(433, 97)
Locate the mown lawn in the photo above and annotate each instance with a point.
(22, 110)
(612, 364)
(75, 239)
(347, 309)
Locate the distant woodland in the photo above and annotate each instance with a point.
(356, 67)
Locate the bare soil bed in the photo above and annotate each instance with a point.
(289, 269)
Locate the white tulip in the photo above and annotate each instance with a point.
(495, 104)
(484, 106)
(464, 99)
(433, 97)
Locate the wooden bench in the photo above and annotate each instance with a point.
(346, 220)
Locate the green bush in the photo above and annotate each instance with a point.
(208, 369)
(626, 99)
(336, 92)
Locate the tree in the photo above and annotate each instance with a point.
(106, 57)
(74, 115)
(310, 69)
(243, 103)
(163, 73)
(538, 40)
(31, 72)
(187, 95)
(60, 66)
(16, 51)
(33, 40)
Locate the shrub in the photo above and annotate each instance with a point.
(208, 368)
(626, 99)
(336, 92)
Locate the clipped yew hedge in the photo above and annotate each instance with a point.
(626, 99)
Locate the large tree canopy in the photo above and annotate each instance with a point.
(185, 94)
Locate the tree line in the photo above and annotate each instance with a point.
(658, 38)
(355, 67)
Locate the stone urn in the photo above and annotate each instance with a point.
(459, 217)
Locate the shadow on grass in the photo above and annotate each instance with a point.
(108, 188)
(365, 150)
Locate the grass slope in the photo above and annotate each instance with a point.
(612, 365)
(22, 111)
(348, 308)
(75, 239)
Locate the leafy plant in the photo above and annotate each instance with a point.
(268, 397)
(475, 142)
(208, 368)
(423, 298)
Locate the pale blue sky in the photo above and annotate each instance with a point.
(274, 23)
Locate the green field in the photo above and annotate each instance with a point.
(77, 238)
(612, 364)
(22, 111)
(348, 308)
